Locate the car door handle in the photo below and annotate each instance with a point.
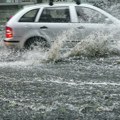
(81, 27)
(43, 27)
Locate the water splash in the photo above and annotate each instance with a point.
(96, 44)
(55, 51)
(114, 10)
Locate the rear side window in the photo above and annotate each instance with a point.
(55, 15)
(88, 15)
(29, 16)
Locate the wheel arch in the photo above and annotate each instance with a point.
(34, 37)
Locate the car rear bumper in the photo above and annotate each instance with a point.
(12, 44)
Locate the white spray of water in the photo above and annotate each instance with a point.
(96, 44)
(54, 52)
(114, 10)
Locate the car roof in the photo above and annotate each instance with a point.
(42, 5)
(55, 4)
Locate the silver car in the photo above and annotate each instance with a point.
(42, 23)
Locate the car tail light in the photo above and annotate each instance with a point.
(9, 32)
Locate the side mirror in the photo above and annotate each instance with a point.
(108, 21)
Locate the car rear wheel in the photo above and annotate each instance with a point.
(36, 43)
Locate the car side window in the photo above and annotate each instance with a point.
(55, 15)
(88, 15)
(29, 16)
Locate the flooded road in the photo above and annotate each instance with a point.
(70, 86)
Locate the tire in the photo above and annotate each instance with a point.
(36, 42)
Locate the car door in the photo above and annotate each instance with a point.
(91, 21)
(53, 22)
(23, 28)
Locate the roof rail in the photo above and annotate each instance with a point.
(78, 2)
(50, 2)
